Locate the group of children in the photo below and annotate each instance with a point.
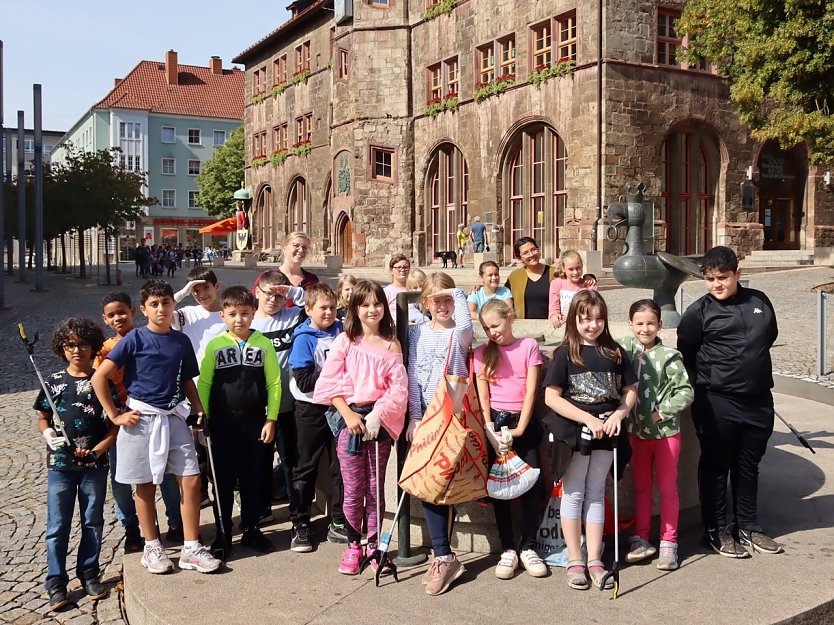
(322, 372)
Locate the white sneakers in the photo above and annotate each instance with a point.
(505, 569)
(530, 560)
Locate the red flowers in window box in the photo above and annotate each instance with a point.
(450, 95)
(481, 85)
(506, 77)
(432, 101)
(539, 68)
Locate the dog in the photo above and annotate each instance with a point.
(446, 257)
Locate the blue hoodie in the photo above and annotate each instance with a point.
(309, 351)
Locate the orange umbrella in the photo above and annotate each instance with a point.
(220, 227)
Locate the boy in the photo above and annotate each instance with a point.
(277, 321)
(240, 385)
(202, 322)
(725, 339)
(311, 342)
(159, 367)
(117, 313)
(76, 459)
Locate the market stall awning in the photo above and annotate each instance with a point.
(220, 227)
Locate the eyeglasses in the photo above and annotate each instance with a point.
(530, 252)
(401, 267)
(71, 347)
(271, 297)
(300, 246)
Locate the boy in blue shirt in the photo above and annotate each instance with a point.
(159, 371)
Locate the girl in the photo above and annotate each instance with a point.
(343, 292)
(416, 282)
(428, 347)
(507, 374)
(568, 284)
(364, 379)
(489, 289)
(663, 393)
(530, 283)
(592, 388)
(399, 266)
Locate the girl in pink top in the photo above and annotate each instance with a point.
(364, 379)
(568, 283)
(507, 374)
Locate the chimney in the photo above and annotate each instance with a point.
(117, 82)
(171, 68)
(216, 65)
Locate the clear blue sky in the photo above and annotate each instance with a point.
(76, 48)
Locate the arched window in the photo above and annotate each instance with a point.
(535, 189)
(297, 206)
(262, 231)
(447, 195)
(687, 197)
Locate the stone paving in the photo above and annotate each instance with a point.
(22, 471)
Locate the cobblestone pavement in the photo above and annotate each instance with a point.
(22, 471)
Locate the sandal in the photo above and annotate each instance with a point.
(577, 579)
(597, 571)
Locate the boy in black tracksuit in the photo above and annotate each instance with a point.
(311, 342)
(725, 339)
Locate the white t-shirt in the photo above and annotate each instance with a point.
(199, 325)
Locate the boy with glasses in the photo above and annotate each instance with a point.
(277, 322)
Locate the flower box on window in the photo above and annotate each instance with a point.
(441, 8)
(258, 98)
(300, 76)
(279, 156)
(302, 148)
(260, 161)
(484, 90)
(279, 89)
(542, 73)
(448, 103)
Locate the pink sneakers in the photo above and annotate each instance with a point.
(351, 558)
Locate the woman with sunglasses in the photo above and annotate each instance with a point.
(530, 284)
(400, 266)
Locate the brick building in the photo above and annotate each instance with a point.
(378, 125)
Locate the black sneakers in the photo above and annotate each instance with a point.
(220, 548)
(300, 541)
(254, 538)
(722, 542)
(94, 588)
(133, 540)
(57, 598)
(174, 536)
(758, 541)
(337, 533)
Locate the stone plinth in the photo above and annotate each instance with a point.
(334, 263)
(482, 257)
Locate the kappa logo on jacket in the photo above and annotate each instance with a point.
(233, 356)
(758, 311)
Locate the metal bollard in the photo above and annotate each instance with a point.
(822, 359)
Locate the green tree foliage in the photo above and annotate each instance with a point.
(221, 176)
(778, 57)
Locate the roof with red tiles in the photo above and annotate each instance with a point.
(303, 14)
(199, 92)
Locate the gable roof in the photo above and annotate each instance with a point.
(199, 92)
(301, 14)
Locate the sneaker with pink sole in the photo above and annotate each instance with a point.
(351, 559)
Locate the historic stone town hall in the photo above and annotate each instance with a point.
(377, 126)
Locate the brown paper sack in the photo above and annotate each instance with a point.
(447, 460)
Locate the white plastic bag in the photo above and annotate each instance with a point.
(510, 477)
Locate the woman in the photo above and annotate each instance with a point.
(400, 267)
(530, 284)
(296, 246)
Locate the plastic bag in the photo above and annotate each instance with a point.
(510, 477)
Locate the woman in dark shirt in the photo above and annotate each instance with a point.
(530, 284)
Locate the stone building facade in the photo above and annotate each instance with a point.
(377, 126)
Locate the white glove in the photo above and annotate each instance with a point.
(186, 290)
(372, 424)
(52, 439)
(410, 429)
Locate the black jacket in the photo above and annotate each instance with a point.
(726, 344)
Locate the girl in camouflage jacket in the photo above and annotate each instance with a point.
(663, 393)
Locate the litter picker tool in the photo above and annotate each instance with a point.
(615, 569)
(796, 433)
(383, 543)
(64, 439)
(220, 551)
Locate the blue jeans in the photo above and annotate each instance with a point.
(479, 247)
(90, 487)
(125, 506)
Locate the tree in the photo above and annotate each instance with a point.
(778, 59)
(94, 189)
(221, 176)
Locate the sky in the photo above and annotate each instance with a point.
(76, 48)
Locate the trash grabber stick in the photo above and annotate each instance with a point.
(30, 349)
(370, 556)
(219, 553)
(385, 543)
(615, 569)
(796, 433)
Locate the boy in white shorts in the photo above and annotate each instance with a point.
(154, 439)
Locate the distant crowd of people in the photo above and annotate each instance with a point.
(156, 260)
